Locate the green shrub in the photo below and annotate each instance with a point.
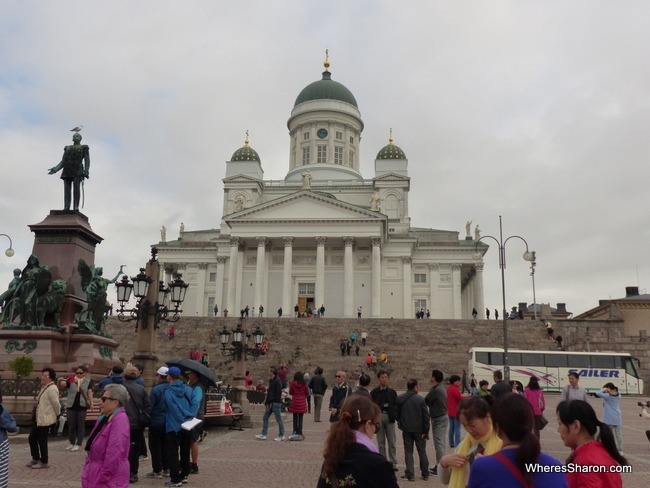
(22, 366)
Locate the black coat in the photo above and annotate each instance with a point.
(367, 469)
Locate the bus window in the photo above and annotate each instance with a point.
(514, 359)
(556, 360)
(580, 361)
(630, 369)
(532, 359)
(496, 358)
(602, 362)
(482, 357)
(618, 362)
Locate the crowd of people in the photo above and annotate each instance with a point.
(116, 444)
(501, 422)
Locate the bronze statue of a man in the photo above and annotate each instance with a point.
(74, 170)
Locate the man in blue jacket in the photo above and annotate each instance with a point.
(178, 403)
(158, 412)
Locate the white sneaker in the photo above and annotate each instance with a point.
(69, 447)
(280, 439)
(261, 437)
(74, 448)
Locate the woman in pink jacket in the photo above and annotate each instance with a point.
(107, 463)
(298, 390)
(535, 397)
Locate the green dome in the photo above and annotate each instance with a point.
(245, 153)
(391, 151)
(326, 89)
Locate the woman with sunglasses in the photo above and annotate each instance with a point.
(351, 456)
(107, 463)
(78, 401)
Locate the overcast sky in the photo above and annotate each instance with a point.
(536, 111)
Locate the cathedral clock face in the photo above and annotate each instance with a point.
(322, 133)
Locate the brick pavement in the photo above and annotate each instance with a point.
(237, 460)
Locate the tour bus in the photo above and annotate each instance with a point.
(553, 367)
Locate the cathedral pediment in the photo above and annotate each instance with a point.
(392, 177)
(304, 205)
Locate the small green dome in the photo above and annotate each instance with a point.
(326, 89)
(391, 151)
(246, 153)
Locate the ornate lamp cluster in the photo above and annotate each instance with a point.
(239, 343)
(139, 286)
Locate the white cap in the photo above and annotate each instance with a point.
(162, 371)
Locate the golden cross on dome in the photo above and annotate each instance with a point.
(327, 59)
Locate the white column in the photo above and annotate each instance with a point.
(232, 278)
(408, 294)
(434, 291)
(265, 284)
(259, 271)
(478, 290)
(218, 294)
(376, 277)
(319, 299)
(455, 281)
(200, 290)
(240, 274)
(287, 305)
(348, 278)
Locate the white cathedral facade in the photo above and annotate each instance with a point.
(325, 235)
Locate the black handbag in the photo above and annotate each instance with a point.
(541, 422)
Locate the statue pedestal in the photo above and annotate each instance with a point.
(61, 350)
(64, 237)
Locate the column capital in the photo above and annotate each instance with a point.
(261, 241)
(234, 242)
(434, 267)
(348, 241)
(288, 241)
(181, 266)
(203, 265)
(406, 259)
(479, 266)
(375, 241)
(456, 266)
(320, 240)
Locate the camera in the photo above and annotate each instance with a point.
(643, 404)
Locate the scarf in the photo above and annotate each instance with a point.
(490, 444)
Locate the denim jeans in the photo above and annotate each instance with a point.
(276, 409)
(454, 431)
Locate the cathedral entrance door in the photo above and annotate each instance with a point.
(305, 302)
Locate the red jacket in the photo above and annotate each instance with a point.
(593, 453)
(453, 399)
(298, 392)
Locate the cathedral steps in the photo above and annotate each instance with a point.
(414, 347)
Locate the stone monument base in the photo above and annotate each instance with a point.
(58, 349)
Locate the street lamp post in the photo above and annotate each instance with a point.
(239, 351)
(150, 309)
(533, 263)
(528, 256)
(10, 251)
